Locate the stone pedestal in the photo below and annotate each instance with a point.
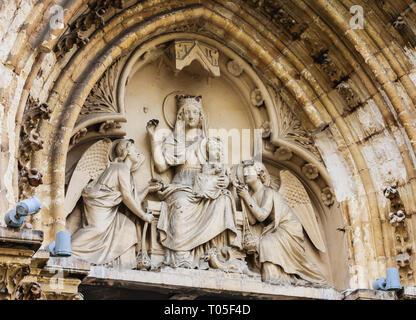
(16, 250)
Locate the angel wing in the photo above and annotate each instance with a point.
(298, 199)
(89, 167)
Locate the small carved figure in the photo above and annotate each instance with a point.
(205, 186)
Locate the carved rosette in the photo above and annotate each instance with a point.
(327, 196)
(310, 171)
(257, 97)
(234, 68)
(283, 154)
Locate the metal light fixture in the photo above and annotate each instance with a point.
(27, 207)
(391, 282)
(62, 245)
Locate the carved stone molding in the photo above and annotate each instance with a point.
(397, 218)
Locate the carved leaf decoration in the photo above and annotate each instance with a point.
(103, 96)
(89, 167)
(298, 199)
(291, 130)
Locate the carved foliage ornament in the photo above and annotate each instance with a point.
(30, 141)
(290, 129)
(397, 218)
(29, 291)
(350, 97)
(103, 96)
(10, 277)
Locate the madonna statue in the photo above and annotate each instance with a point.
(190, 223)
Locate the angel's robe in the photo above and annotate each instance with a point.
(107, 234)
(189, 224)
(282, 240)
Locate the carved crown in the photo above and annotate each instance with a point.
(188, 100)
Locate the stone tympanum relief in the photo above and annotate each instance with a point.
(208, 215)
(183, 201)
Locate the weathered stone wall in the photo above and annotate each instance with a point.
(354, 90)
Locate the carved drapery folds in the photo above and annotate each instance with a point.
(397, 218)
